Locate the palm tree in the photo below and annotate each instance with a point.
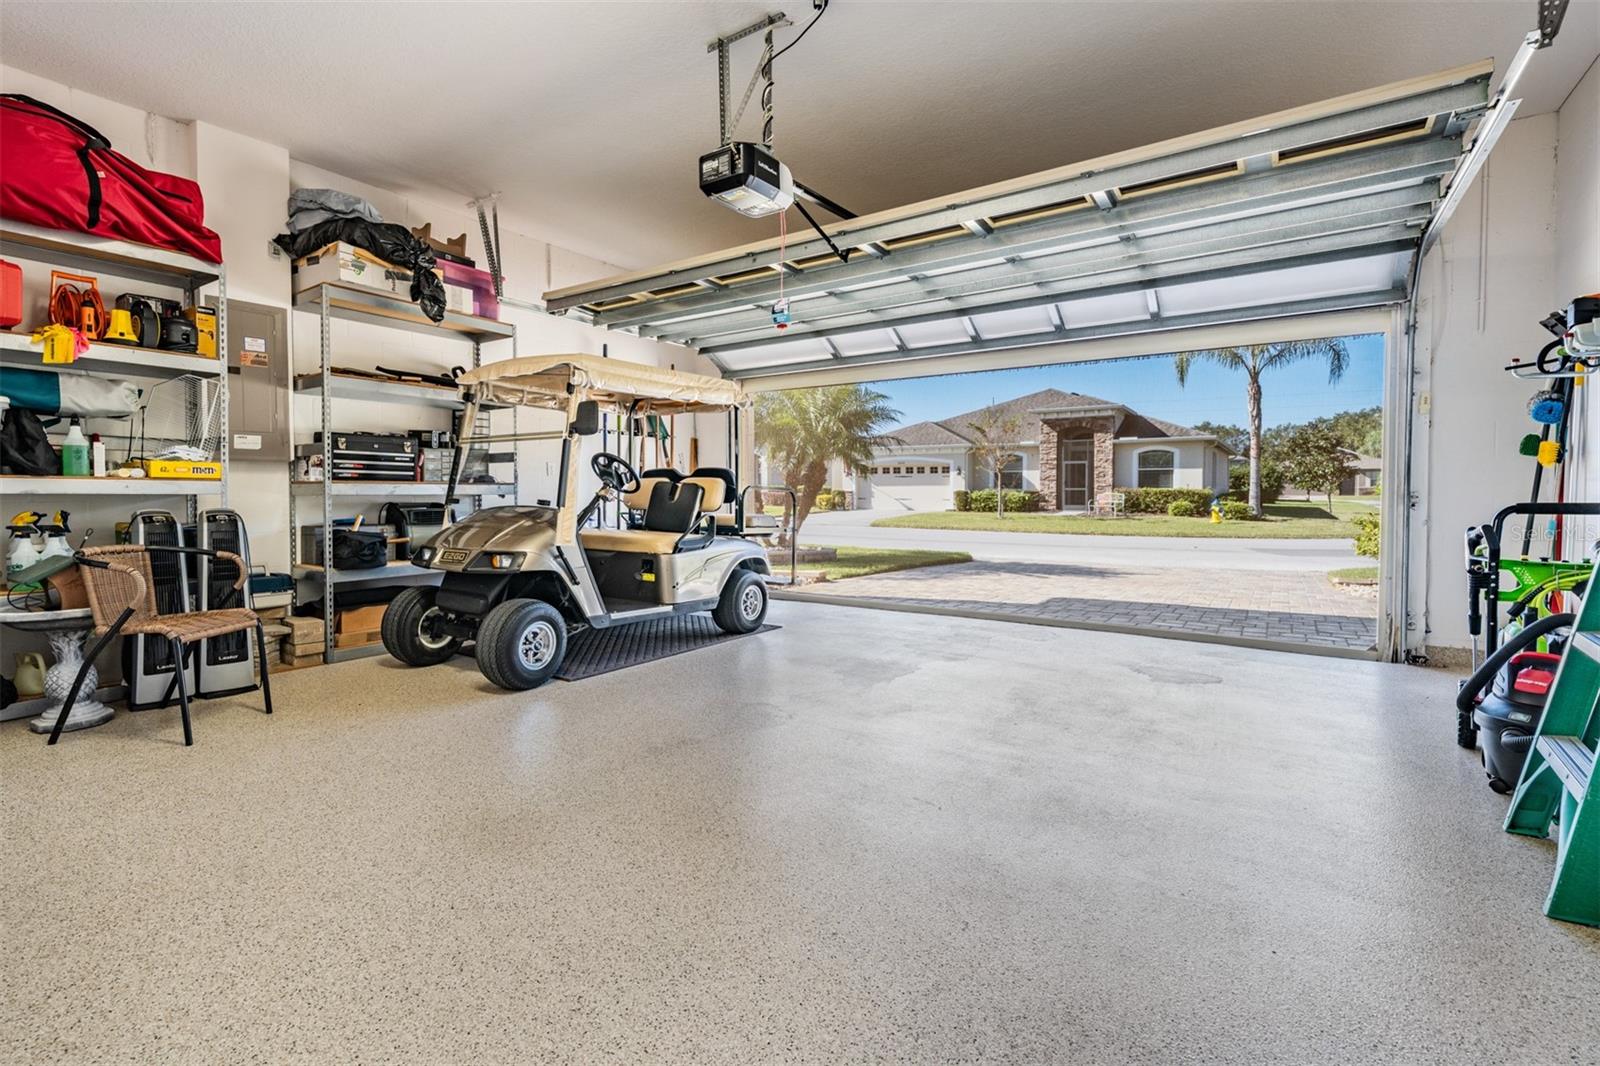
(1255, 360)
(803, 430)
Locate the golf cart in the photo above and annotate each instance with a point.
(519, 579)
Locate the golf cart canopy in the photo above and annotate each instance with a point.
(544, 380)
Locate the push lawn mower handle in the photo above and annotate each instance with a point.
(1466, 699)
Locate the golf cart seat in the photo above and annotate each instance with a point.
(670, 512)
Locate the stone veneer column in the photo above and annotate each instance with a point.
(1049, 467)
(1104, 458)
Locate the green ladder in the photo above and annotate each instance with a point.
(1559, 776)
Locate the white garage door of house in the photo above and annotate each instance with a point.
(911, 486)
(1313, 210)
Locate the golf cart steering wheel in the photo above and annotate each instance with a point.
(614, 472)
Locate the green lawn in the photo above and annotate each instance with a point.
(858, 562)
(1354, 575)
(1295, 519)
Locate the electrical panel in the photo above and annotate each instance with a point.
(258, 390)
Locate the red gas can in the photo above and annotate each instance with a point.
(10, 294)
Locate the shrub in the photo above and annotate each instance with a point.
(824, 502)
(1017, 500)
(1021, 500)
(1271, 481)
(963, 500)
(1237, 511)
(1156, 501)
(1182, 509)
(1366, 537)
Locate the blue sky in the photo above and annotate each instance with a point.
(1291, 394)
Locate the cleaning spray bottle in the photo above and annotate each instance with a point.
(75, 451)
(55, 536)
(22, 552)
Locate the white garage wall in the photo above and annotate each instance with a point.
(1480, 297)
(246, 183)
(1578, 242)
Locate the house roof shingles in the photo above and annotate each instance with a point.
(1026, 409)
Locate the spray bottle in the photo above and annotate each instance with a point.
(75, 452)
(55, 536)
(22, 552)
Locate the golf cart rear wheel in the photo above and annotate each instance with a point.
(743, 606)
(521, 644)
(410, 630)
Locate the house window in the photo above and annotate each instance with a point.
(1011, 473)
(1155, 468)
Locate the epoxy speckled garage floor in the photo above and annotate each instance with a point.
(868, 835)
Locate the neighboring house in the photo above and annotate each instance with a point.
(1364, 482)
(1368, 469)
(1070, 449)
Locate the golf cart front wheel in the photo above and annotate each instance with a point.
(411, 630)
(521, 644)
(743, 606)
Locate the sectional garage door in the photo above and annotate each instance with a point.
(910, 485)
(1317, 209)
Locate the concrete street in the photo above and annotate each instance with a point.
(855, 528)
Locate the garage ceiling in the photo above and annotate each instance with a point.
(1318, 208)
(588, 118)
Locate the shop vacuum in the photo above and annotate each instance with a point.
(147, 662)
(1518, 682)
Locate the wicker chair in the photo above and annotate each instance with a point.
(122, 599)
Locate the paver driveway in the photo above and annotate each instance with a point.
(1280, 606)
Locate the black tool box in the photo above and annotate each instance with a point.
(372, 456)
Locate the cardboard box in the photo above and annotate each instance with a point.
(452, 246)
(183, 468)
(367, 619)
(345, 264)
(205, 327)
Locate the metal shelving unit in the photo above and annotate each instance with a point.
(135, 263)
(114, 486)
(17, 350)
(408, 490)
(355, 304)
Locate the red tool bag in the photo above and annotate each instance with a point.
(63, 174)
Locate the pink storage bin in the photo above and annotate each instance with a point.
(481, 282)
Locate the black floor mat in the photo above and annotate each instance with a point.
(600, 651)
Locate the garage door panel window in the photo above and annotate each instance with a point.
(1156, 468)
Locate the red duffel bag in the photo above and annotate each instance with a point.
(62, 173)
